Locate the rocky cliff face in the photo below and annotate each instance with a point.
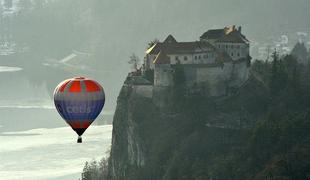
(178, 140)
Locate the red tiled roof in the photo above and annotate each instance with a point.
(234, 37)
(170, 39)
(179, 47)
(213, 34)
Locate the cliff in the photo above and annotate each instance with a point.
(257, 132)
(170, 141)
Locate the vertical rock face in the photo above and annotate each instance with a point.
(153, 137)
(128, 148)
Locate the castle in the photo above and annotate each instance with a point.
(216, 64)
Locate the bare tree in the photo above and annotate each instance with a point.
(134, 61)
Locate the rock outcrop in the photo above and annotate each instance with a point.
(151, 138)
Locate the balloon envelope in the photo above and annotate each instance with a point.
(79, 101)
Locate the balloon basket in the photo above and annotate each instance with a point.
(79, 140)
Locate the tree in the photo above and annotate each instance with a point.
(293, 72)
(278, 79)
(134, 61)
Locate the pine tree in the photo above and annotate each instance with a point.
(278, 79)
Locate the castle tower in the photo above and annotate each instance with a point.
(163, 73)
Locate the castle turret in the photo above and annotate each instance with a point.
(163, 72)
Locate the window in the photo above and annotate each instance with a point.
(238, 54)
(177, 58)
(185, 58)
(232, 54)
(219, 46)
(195, 57)
(226, 46)
(199, 57)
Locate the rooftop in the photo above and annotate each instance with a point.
(227, 34)
(171, 46)
(213, 34)
(234, 36)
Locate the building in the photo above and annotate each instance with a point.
(216, 63)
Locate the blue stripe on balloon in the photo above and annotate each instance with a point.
(79, 110)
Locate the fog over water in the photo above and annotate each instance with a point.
(50, 153)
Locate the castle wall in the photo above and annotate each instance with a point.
(214, 80)
(240, 74)
(234, 50)
(149, 61)
(174, 58)
(195, 58)
(211, 81)
(163, 75)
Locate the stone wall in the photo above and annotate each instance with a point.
(240, 74)
(163, 75)
(211, 80)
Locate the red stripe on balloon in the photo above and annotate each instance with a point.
(75, 86)
(79, 124)
(63, 86)
(91, 86)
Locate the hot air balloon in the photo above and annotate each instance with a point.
(79, 101)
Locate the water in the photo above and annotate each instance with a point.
(50, 153)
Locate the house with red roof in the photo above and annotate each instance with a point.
(218, 61)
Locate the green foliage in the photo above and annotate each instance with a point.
(178, 144)
(278, 78)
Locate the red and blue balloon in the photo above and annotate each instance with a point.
(79, 101)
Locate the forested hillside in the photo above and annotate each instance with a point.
(264, 133)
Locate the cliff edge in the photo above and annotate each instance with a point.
(168, 142)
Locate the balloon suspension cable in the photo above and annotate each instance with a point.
(79, 140)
